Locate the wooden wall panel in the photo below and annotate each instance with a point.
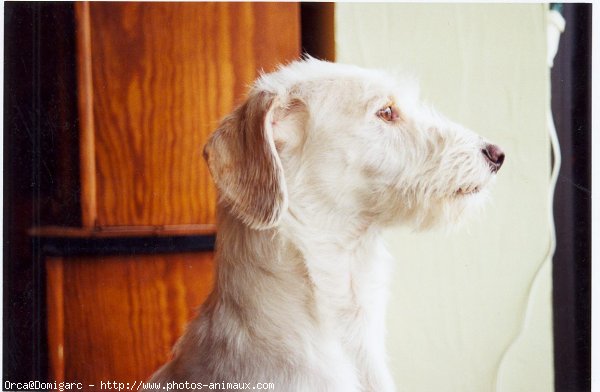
(87, 156)
(56, 318)
(162, 77)
(154, 79)
(122, 314)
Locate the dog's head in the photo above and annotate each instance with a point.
(326, 138)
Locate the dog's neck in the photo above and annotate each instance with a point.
(321, 258)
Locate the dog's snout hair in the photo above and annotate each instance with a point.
(308, 169)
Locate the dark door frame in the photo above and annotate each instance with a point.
(571, 108)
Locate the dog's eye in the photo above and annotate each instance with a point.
(388, 113)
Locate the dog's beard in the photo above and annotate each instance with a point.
(425, 210)
(453, 211)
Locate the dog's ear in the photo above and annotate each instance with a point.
(245, 166)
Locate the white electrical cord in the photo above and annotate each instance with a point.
(556, 25)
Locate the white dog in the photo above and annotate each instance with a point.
(309, 169)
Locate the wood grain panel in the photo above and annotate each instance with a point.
(123, 314)
(56, 319)
(87, 158)
(163, 76)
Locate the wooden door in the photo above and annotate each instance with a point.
(153, 81)
(161, 76)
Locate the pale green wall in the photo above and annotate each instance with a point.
(471, 310)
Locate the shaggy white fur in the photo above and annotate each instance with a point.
(319, 158)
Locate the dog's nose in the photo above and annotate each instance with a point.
(494, 156)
